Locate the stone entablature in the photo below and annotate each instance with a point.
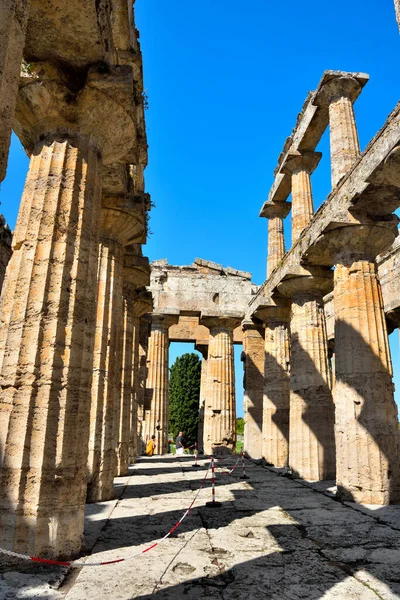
(202, 286)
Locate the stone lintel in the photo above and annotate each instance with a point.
(315, 281)
(208, 264)
(271, 209)
(336, 84)
(306, 160)
(237, 273)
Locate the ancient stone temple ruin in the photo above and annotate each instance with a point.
(86, 322)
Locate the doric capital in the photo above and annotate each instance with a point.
(273, 313)
(202, 348)
(136, 269)
(227, 320)
(272, 209)
(301, 161)
(164, 318)
(337, 84)
(313, 281)
(250, 325)
(47, 107)
(142, 302)
(123, 219)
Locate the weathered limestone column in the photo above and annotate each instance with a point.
(13, 20)
(119, 223)
(367, 436)
(46, 337)
(220, 406)
(48, 311)
(300, 166)
(203, 348)
(275, 212)
(254, 359)
(140, 384)
(311, 437)
(142, 305)
(338, 95)
(136, 302)
(157, 376)
(276, 396)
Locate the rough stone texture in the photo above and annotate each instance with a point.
(276, 397)
(220, 403)
(13, 20)
(397, 8)
(5, 248)
(189, 329)
(46, 337)
(157, 378)
(273, 539)
(203, 394)
(367, 437)
(254, 358)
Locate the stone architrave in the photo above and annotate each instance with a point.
(157, 376)
(367, 438)
(13, 20)
(275, 213)
(338, 95)
(48, 313)
(253, 357)
(300, 166)
(311, 424)
(276, 394)
(220, 405)
(120, 222)
(203, 348)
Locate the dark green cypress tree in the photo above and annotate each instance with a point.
(184, 397)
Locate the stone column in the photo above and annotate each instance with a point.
(254, 359)
(311, 438)
(275, 212)
(276, 395)
(119, 225)
(13, 20)
(140, 383)
(46, 344)
(142, 305)
(300, 166)
(338, 95)
(203, 348)
(220, 406)
(367, 436)
(157, 377)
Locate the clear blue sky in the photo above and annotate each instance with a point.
(225, 81)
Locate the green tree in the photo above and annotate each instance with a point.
(240, 426)
(184, 397)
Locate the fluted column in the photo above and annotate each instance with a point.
(46, 343)
(300, 166)
(367, 436)
(311, 425)
(276, 393)
(275, 212)
(203, 348)
(13, 20)
(254, 359)
(157, 377)
(338, 95)
(140, 384)
(220, 405)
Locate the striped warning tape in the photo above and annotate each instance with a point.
(231, 471)
(81, 562)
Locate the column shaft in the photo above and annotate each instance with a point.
(140, 384)
(133, 425)
(345, 147)
(366, 414)
(46, 345)
(107, 357)
(254, 359)
(129, 367)
(312, 443)
(203, 396)
(13, 20)
(302, 202)
(276, 243)
(220, 406)
(275, 445)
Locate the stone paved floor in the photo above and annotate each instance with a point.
(272, 538)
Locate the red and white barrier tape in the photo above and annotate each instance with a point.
(81, 561)
(231, 471)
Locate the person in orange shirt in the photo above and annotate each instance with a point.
(151, 444)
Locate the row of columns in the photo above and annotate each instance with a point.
(349, 430)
